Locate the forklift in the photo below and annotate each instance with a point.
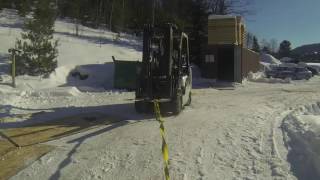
(165, 74)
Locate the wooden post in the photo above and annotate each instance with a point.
(110, 18)
(13, 65)
(13, 69)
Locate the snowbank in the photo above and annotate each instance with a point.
(313, 64)
(303, 138)
(260, 77)
(265, 66)
(97, 77)
(199, 82)
(266, 61)
(267, 58)
(286, 60)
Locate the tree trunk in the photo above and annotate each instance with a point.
(111, 14)
(77, 27)
(123, 16)
(153, 11)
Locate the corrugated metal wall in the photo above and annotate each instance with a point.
(229, 62)
(237, 64)
(250, 61)
(228, 30)
(222, 31)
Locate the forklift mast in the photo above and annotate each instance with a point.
(161, 62)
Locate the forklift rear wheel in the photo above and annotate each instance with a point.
(177, 105)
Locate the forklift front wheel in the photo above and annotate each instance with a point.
(189, 100)
(140, 106)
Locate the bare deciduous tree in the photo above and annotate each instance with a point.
(249, 40)
(274, 46)
(229, 7)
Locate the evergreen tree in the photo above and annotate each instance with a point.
(266, 49)
(198, 35)
(38, 49)
(285, 49)
(24, 7)
(5, 4)
(255, 45)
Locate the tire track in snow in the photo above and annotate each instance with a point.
(249, 164)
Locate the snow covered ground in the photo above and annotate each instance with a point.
(224, 134)
(230, 131)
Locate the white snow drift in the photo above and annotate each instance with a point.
(303, 131)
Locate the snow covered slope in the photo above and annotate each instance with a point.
(90, 47)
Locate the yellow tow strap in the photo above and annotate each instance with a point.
(165, 152)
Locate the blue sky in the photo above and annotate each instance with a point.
(295, 20)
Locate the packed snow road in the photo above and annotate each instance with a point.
(224, 134)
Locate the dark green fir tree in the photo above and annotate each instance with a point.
(39, 52)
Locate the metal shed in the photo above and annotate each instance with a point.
(226, 58)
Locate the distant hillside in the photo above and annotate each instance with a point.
(309, 48)
(308, 53)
